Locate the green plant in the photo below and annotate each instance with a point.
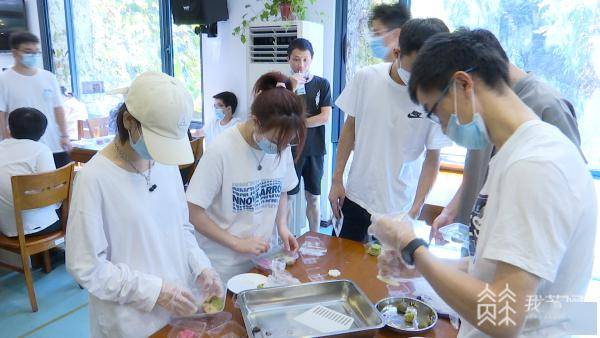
(269, 10)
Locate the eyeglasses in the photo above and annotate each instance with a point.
(431, 114)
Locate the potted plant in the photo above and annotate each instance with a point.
(288, 9)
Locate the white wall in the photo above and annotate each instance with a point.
(224, 57)
(6, 59)
(224, 66)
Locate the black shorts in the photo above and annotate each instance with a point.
(61, 159)
(310, 168)
(356, 221)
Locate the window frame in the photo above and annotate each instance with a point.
(166, 42)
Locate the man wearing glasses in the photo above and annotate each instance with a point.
(396, 148)
(25, 85)
(539, 224)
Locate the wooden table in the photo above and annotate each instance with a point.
(84, 149)
(350, 258)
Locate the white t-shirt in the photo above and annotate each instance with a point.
(391, 135)
(23, 157)
(74, 111)
(213, 128)
(123, 241)
(540, 216)
(237, 196)
(39, 91)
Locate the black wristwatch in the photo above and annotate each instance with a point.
(408, 253)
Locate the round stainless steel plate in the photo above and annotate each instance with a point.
(388, 307)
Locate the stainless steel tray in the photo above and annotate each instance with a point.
(270, 312)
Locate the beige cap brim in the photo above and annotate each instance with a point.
(167, 150)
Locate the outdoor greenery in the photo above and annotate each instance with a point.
(270, 10)
(558, 40)
(115, 40)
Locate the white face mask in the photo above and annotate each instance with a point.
(404, 74)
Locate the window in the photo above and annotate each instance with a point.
(188, 65)
(60, 46)
(359, 55)
(358, 51)
(558, 40)
(112, 41)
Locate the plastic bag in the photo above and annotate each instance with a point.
(184, 328)
(263, 261)
(313, 246)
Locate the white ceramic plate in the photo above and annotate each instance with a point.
(245, 281)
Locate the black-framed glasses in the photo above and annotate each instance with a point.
(430, 113)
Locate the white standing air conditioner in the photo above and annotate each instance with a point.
(267, 51)
(268, 43)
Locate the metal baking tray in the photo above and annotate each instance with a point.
(271, 312)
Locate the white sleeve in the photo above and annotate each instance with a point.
(45, 160)
(86, 254)
(207, 180)
(3, 98)
(290, 180)
(197, 259)
(436, 139)
(536, 219)
(349, 99)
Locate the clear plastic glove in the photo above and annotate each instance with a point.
(444, 218)
(289, 241)
(394, 232)
(252, 245)
(211, 290)
(176, 300)
(337, 194)
(392, 269)
(210, 284)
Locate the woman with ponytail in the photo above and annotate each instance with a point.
(235, 196)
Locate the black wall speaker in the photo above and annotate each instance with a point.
(199, 12)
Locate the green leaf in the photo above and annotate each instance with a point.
(243, 39)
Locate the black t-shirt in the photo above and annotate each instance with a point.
(318, 94)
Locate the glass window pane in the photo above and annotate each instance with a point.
(358, 50)
(557, 40)
(115, 40)
(60, 47)
(188, 63)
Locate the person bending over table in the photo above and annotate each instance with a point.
(537, 231)
(129, 240)
(238, 192)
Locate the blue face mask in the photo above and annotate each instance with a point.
(30, 60)
(265, 145)
(378, 47)
(219, 113)
(140, 147)
(472, 135)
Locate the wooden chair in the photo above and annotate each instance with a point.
(187, 170)
(32, 192)
(92, 128)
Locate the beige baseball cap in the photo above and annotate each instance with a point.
(164, 108)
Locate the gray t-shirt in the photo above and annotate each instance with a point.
(545, 102)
